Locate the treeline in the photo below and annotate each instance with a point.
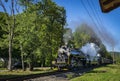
(33, 35)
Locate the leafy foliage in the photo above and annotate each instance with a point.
(85, 34)
(38, 32)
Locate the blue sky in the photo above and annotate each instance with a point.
(79, 11)
(77, 14)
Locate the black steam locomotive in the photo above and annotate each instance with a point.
(76, 59)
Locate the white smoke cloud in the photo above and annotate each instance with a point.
(90, 49)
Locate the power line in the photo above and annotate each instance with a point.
(93, 10)
(89, 14)
(92, 3)
(92, 18)
(97, 17)
(108, 39)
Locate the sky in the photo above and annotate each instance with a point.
(88, 11)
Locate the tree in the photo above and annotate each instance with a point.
(56, 21)
(85, 34)
(11, 26)
(3, 36)
(43, 33)
(36, 32)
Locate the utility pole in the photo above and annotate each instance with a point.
(113, 54)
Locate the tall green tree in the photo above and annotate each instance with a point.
(3, 38)
(43, 33)
(56, 18)
(11, 26)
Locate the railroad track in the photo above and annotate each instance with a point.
(34, 76)
(25, 77)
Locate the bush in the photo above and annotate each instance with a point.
(1, 64)
(118, 61)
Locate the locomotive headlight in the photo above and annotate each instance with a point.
(68, 53)
(98, 55)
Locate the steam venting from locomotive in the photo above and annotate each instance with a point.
(91, 50)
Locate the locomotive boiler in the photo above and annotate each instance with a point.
(69, 58)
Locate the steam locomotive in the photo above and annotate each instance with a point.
(76, 59)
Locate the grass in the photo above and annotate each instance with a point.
(70, 76)
(106, 73)
(18, 73)
(2, 68)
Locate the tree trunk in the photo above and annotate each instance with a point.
(30, 66)
(22, 58)
(31, 63)
(11, 37)
(51, 58)
(10, 53)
